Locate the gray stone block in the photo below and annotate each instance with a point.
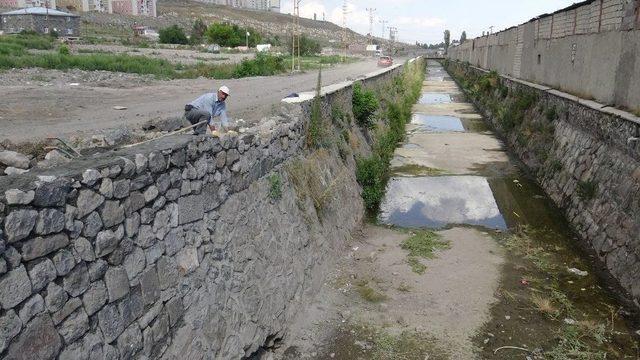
(145, 237)
(18, 224)
(76, 325)
(130, 342)
(134, 202)
(150, 315)
(154, 252)
(19, 197)
(95, 297)
(179, 158)
(87, 202)
(175, 310)
(132, 225)
(149, 285)
(92, 225)
(151, 193)
(163, 183)
(134, 263)
(106, 242)
(10, 326)
(112, 214)
(69, 307)
(70, 214)
(56, 297)
(42, 246)
(167, 272)
(174, 241)
(172, 194)
(110, 322)
(32, 307)
(141, 182)
(91, 176)
(89, 347)
(15, 286)
(161, 224)
(121, 188)
(48, 342)
(106, 188)
(77, 281)
(187, 260)
(49, 221)
(54, 193)
(64, 262)
(97, 269)
(13, 257)
(83, 248)
(141, 163)
(117, 283)
(159, 203)
(110, 352)
(191, 208)
(160, 327)
(131, 307)
(42, 273)
(157, 162)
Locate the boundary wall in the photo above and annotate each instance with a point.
(180, 248)
(590, 49)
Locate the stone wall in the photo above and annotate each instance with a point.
(586, 156)
(588, 49)
(63, 25)
(181, 248)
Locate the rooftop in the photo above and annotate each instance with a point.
(38, 11)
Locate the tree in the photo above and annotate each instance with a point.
(447, 40)
(308, 46)
(231, 35)
(463, 37)
(198, 31)
(173, 35)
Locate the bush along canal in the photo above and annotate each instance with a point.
(468, 260)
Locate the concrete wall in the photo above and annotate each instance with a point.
(585, 143)
(174, 249)
(589, 49)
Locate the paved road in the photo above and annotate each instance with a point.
(30, 112)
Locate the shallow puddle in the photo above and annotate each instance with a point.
(438, 123)
(434, 98)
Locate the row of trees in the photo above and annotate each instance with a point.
(445, 44)
(222, 34)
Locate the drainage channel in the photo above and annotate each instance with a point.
(546, 302)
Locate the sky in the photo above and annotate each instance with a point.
(425, 20)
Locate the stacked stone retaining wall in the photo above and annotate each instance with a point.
(181, 248)
(586, 156)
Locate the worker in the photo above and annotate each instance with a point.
(207, 107)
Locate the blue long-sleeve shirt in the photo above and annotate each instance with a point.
(209, 103)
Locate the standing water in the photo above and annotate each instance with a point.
(545, 301)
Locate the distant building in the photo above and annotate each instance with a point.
(262, 5)
(41, 20)
(124, 7)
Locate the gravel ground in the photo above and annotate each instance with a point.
(33, 111)
(61, 79)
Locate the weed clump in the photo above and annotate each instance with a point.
(587, 190)
(275, 187)
(365, 104)
(368, 293)
(424, 243)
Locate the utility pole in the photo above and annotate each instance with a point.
(383, 22)
(345, 11)
(295, 46)
(371, 11)
(490, 29)
(393, 31)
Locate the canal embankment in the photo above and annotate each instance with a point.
(585, 156)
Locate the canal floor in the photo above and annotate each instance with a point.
(505, 280)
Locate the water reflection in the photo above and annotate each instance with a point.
(434, 98)
(438, 123)
(436, 202)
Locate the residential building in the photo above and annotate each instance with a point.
(42, 20)
(125, 7)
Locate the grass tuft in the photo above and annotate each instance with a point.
(424, 243)
(275, 187)
(368, 293)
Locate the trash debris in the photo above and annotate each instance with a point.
(507, 317)
(524, 282)
(518, 184)
(74, 84)
(569, 321)
(355, 248)
(516, 214)
(119, 108)
(578, 272)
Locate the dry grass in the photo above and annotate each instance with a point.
(545, 305)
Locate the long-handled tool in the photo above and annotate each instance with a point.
(168, 134)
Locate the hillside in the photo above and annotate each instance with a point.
(184, 13)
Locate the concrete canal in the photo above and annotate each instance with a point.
(470, 260)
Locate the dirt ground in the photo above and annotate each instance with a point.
(445, 306)
(31, 111)
(186, 57)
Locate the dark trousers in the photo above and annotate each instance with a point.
(195, 116)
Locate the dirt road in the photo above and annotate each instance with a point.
(30, 111)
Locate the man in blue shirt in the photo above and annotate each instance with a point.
(205, 108)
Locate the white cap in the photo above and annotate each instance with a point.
(224, 89)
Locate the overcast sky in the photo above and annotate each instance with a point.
(425, 20)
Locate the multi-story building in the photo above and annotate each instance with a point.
(125, 7)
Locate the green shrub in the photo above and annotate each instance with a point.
(275, 187)
(29, 40)
(551, 114)
(197, 31)
(371, 174)
(587, 190)
(63, 50)
(231, 35)
(262, 65)
(308, 46)
(173, 35)
(364, 105)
